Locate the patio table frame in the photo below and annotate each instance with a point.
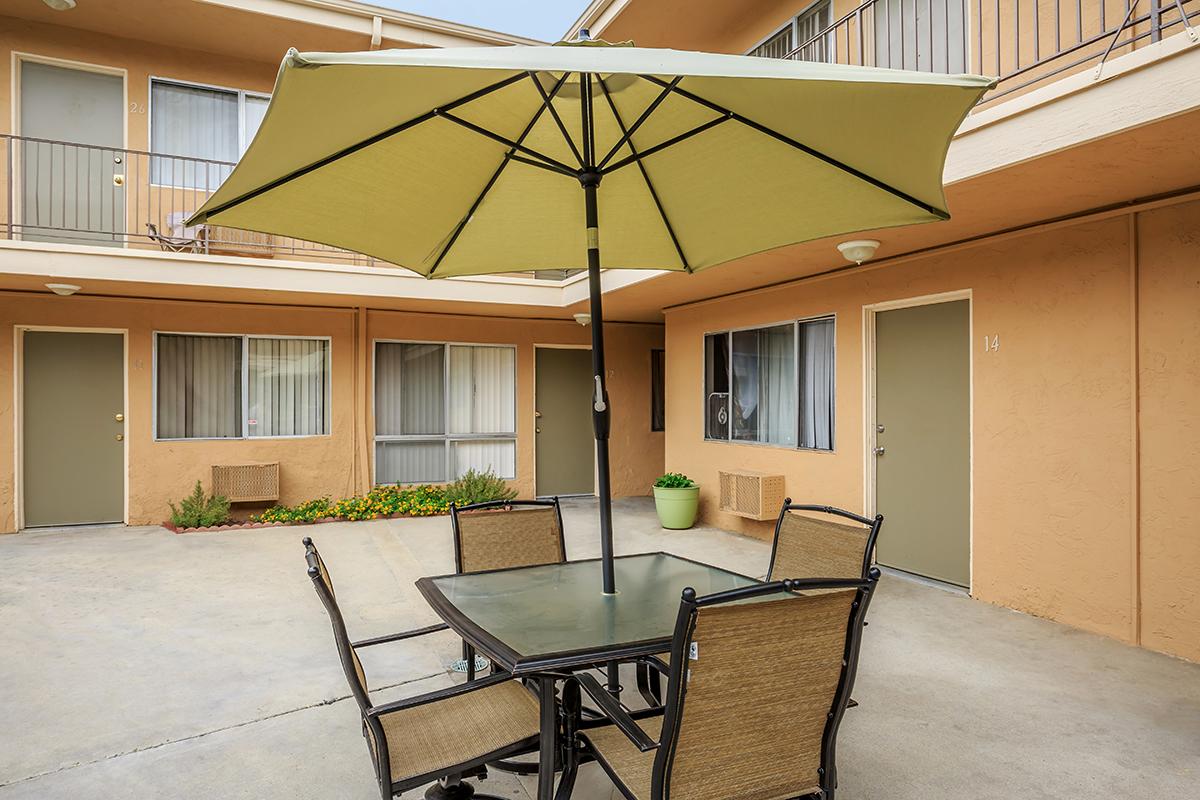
(547, 668)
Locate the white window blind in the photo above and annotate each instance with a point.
(288, 387)
(199, 387)
(441, 410)
(240, 386)
(191, 126)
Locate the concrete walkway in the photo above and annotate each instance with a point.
(141, 664)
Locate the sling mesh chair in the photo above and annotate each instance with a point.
(728, 732)
(502, 534)
(440, 736)
(804, 545)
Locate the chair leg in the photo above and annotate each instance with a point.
(453, 788)
(469, 655)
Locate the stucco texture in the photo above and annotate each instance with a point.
(1055, 480)
(338, 464)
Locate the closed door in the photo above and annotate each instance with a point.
(73, 186)
(566, 452)
(73, 428)
(922, 454)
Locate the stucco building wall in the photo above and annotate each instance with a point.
(1056, 470)
(338, 464)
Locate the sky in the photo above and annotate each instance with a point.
(547, 20)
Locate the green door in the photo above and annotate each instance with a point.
(73, 428)
(922, 455)
(566, 451)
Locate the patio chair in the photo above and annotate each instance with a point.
(503, 534)
(174, 244)
(729, 731)
(442, 736)
(804, 545)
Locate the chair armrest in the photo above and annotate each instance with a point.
(657, 664)
(613, 710)
(440, 694)
(398, 637)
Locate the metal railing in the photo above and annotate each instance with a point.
(85, 194)
(1021, 42)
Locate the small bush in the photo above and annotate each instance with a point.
(382, 501)
(674, 480)
(478, 487)
(198, 510)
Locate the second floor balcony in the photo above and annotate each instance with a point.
(1021, 42)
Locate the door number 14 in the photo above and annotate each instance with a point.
(991, 343)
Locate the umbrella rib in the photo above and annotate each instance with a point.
(674, 140)
(462, 223)
(548, 167)
(637, 123)
(817, 154)
(547, 100)
(646, 177)
(471, 126)
(354, 148)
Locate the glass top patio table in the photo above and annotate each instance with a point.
(555, 616)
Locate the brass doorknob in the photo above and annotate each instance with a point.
(120, 437)
(537, 430)
(119, 417)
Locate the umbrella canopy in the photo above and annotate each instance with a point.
(483, 160)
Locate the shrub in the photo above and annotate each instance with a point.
(674, 480)
(382, 501)
(198, 510)
(478, 487)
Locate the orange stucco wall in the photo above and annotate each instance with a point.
(1055, 525)
(338, 464)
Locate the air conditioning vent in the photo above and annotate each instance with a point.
(754, 495)
(247, 483)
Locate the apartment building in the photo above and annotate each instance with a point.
(1014, 389)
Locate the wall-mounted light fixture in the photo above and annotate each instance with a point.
(60, 5)
(63, 289)
(859, 250)
(584, 319)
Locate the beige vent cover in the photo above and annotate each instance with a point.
(246, 483)
(754, 495)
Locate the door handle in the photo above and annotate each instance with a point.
(537, 414)
(118, 180)
(878, 451)
(120, 437)
(119, 417)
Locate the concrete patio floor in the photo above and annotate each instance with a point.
(141, 664)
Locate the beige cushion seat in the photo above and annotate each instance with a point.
(437, 736)
(622, 758)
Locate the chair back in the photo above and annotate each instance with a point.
(351, 664)
(760, 679)
(503, 534)
(824, 541)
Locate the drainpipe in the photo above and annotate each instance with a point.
(1135, 434)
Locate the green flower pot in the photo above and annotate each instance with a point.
(677, 507)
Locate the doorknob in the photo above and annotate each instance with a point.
(118, 180)
(119, 418)
(120, 437)
(537, 414)
(537, 430)
(878, 451)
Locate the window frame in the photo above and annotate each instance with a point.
(728, 333)
(243, 144)
(447, 438)
(244, 436)
(793, 24)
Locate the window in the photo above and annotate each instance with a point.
(232, 387)
(442, 409)
(658, 389)
(771, 385)
(194, 125)
(801, 38)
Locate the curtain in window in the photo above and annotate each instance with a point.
(482, 455)
(199, 387)
(289, 380)
(482, 389)
(409, 389)
(410, 462)
(816, 384)
(777, 385)
(194, 123)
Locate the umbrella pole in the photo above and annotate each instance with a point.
(600, 409)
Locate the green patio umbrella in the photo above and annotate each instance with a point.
(499, 159)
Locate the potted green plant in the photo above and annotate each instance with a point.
(676, 499)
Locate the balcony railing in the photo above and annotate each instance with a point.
(1021, 42)
(83, 194)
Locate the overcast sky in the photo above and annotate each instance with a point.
(547, 20)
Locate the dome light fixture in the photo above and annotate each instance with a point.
(63, 289)
(859, 250)
(584, 319)
(60, 5)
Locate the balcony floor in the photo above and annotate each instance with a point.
(142, 664)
